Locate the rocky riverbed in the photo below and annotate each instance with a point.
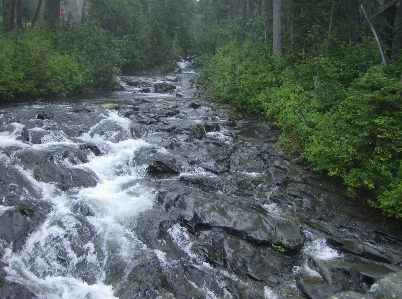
(153, 192)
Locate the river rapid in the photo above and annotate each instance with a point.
(143, 194)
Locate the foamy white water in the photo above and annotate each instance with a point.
(320, 250)
(67, 255)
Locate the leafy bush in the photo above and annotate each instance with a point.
(238, 73)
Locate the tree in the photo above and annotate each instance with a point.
(12, 15)
(277, 27)
(243, 19)
(387, 26)
(397, 46)
(356, 19)
(52, 12)
(35, 18)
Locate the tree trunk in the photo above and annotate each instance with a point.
(397, 45)
(4, 14)
(356, 20)
(387, 27)
(243, 19)
(264, 15)
(12, 15)
(293, 26)
(83, 12)
(263, 9)
(18, 9)
(52, 12)
(232, 15)
(251, 10)
(35, 18)
(277, 27)
(384, 61)
(331, 20)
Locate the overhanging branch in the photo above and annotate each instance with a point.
(384, 8)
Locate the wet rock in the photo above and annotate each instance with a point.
(349, 295)
(163, 87)
(145, 280)
(13, 183)
(35, 136)
(91, 147)
(288, 235)
(312, 284)
(198, 132)
(54, 166)
(13, 290)
(260, 264)
(388, 287)
(21, 219)
(195, 105)
(244, 161)
(110, 106)
(131, 81)
(15, 226)
(44, 116)
(160, 168)
(145, 90)
(364, 250)
(172, 78)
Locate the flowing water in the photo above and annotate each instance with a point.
(167, 196)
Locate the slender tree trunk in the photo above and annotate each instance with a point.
(35, 18)
(4, 14)
(232, 15)
(331, 20)
(18, 9)
(384, 61)
(277, 27)
(264, 16)
(243, 19)
(12, 15)
(83, 12)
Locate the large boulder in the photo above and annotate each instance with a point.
(164, 87)
(388, 287)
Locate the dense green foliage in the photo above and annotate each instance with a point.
(40, 61)
(116, 36)
(336, 105)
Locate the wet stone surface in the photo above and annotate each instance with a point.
(228, 214)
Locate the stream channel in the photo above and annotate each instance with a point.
(144, 194)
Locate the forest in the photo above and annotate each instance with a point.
(328, 72)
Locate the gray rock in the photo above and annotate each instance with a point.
(163, 87)
(288, 235)
(388, 287)
(349, 295)
(313, 285)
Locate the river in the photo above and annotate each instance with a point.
(138, 194)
